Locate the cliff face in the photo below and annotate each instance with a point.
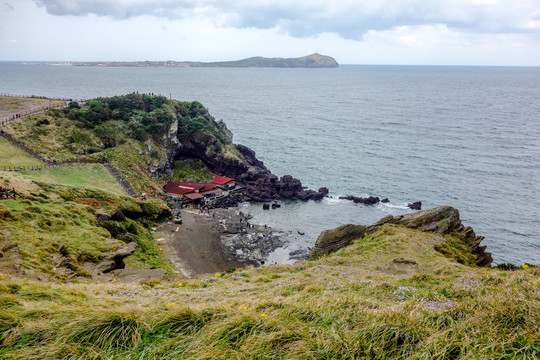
(440, 220)
(171, 147)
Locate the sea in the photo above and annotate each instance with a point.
(468, 137)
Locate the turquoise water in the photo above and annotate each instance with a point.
(461, 136)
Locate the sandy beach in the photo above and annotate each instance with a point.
(194, 246)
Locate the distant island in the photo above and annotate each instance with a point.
(310, 61)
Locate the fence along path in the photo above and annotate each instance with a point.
(10, 118)
(50, 164)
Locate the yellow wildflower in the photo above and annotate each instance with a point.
(535, 282)
(217, 275)
(264, 315)
(171, 304)
(180, 284)
(525, 266)
(244, 308)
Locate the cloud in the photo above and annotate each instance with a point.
(351, 19)
(120, 9)
(5, 5)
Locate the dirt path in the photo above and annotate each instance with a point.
(194, 246)
(11, 105)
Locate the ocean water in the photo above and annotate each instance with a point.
(468, 137)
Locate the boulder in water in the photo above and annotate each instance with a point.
(415, 205)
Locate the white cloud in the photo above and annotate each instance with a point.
(375, 32)
(348, 18)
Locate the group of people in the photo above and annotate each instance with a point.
(12, 117)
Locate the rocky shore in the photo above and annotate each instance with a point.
(244, 241)
(216, 241)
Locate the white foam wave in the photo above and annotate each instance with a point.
(334, 200)
(394, 206)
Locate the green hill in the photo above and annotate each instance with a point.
(310, 61)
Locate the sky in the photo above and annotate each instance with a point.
(407, 32)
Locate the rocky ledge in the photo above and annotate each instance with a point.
(439, 220)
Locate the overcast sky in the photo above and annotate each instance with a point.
(446, 32)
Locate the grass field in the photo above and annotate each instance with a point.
(12, 156)
(10, 105)
(94, 176)
(337, 307)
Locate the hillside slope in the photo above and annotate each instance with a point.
(354, 304)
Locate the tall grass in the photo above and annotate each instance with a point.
(334, 315)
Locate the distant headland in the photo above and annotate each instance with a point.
(309, 61)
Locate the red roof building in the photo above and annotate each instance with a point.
(223, 180)
(182, 188)
(190, 190)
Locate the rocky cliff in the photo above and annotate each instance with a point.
(439, 220)
(204, 138)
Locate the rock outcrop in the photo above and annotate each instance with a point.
(371, 200)
(171, 144)
(415, 205)
(439, 220)
(331, 240)
(112, 260)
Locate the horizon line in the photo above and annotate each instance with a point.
(60, 62)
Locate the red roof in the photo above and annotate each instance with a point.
(194, 196)
(222, 180)
(210, 192)
(191, 190)
(208, 187)
(183, 187)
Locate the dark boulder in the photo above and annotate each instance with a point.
(415, 205)
(323, 191)
(372, 200)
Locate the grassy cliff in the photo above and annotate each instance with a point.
(347, 305)
(52, 231)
